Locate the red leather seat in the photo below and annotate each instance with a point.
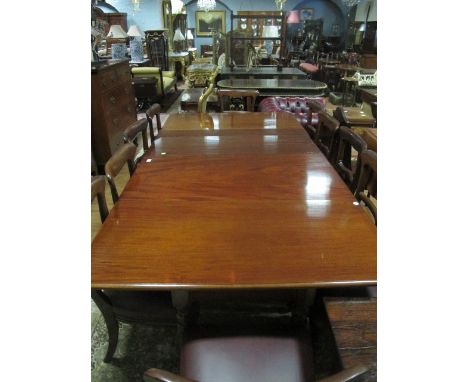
(308, 68)
(296, 105)
(247, 358)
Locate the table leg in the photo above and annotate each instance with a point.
(180, 301)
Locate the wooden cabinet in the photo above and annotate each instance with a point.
(112, 107)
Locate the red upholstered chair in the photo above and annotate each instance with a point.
(310, 69)
(297, 105)
(256, 358)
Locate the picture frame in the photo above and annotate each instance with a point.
(306, 14)
(205, 21)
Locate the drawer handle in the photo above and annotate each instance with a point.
(104, 83)
(129, 109)
(115, 121)
(112, 100)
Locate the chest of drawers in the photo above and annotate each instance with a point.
(112, 107)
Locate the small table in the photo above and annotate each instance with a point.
(183, 58)
(198, 75)
(275, 87)
(263, 72)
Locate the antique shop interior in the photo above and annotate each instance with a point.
(200, 108)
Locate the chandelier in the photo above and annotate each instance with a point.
(206, 5)
(136, 5)
(279, 4)
(350, 3)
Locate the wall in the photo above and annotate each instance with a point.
(149, 16)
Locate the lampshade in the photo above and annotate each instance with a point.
(134, 31)
(178, 36)
(293, 17)
(116, 31)
(189, 34)
(270, 31)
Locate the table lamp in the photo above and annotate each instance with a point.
(136, 43)
(270, 31)
(178, 39)
(190, 37)
(117, 36)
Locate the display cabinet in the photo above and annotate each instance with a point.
(257, 33)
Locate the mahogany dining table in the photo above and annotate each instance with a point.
(235, 200)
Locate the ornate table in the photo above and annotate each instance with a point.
(198, 75)
(261, 72)
(277, 87)
(183, 58)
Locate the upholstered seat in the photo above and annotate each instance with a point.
(308, 68)
(164, 79)
(296, 105)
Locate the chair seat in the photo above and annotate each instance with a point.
(247, 358)
(308, 68)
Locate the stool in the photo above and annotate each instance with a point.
(308, 68)
(349, 85)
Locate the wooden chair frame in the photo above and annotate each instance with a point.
(125, 154)
(367, 183)
(248, 94)
(98, 189)
(154, 110)
(330, 125)
(347, 139)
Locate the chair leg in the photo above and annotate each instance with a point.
(111, 322)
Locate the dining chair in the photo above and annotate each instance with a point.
(314, 108)
(239, 99)
(145, 307)
(257, 357)
(342, 159)
(131, 133)
(325, 133)
(98, 190)
(154, 111)
(366, 189)
(339, 115)
(124, 154)
(127, 306)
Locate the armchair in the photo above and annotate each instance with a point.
(163, 81)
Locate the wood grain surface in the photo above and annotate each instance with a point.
(354, 325)
(247, 202)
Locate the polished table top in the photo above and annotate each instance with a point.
(261, 71)
(271, 84)
(234, 200)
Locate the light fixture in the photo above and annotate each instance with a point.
(118, 48)
(136, 44)
(350, 3)
(293, 17)
(270, 31)
(136, 5)
(206, 5)
(279, 4)
(178, 39)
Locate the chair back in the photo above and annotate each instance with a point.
(325, 133)
(367, 182)
(125, 154)
(339, 115)
(139, 127)
(239, 99)
(314, 107)
(98, 190)
(154, 110)
(347, 140)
